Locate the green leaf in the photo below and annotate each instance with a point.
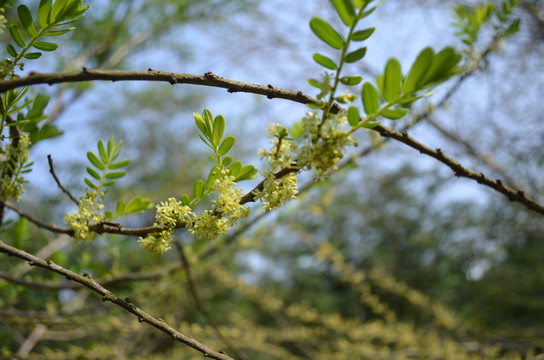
(214, 174)
(11, 50)
(17, 35)
(235, 168)
(109, 183)
(45, 46)
(93, 173)
(95, 161)
(199, 120)
(324, 61)
(370, 98)
(32, 55)
(44, 13)
(185, 200)
(362, 35)
(57, 32)
(26, 19)
(345, 11)
(296, 131)
(119, 164)
(120, 210)
(417, 72)
(57, 11)
(109, 215)
(208, 120)
(115, 174)
(442, 67)
(325, 32)
(218, 129)
(90, 183)
(102, 152)
(355, 55)
(138, 205)
(226, 161)
(226, 145)
(351, 80)
(392, 79)
(353, 116)
(394, 114)
(246, 173)
(198, 189)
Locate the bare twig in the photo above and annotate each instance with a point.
(193, 287)
(64, 190)
(107, 295)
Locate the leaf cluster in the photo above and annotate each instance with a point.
(104, 161)
(52, 21)
(213, 130)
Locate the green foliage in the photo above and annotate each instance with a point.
(104, 162)
(136, 205)
(52, 19)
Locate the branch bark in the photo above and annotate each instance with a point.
(107, 295)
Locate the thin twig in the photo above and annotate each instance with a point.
(64, 190)
(107, 295)
(193, 287)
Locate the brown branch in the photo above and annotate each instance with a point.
(270, 91)
(459, 170)
(32, 219)
(193, 287)
(64, 190)
(107, 295)
(209, 79)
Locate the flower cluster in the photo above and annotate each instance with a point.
(277, 190)
(226, 210)
(88, 211)
(323, 142)
(3, 20)
(168, 215)
(12, 161)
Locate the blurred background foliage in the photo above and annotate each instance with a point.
(394, 257)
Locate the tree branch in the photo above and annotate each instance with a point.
(271, 92)
(64, 190)
(107, 295)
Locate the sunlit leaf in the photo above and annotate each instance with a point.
(198, 189)
(218, 129)
(44, 12)
(226, 145)
(392, 80)
(324, 61)
(325, 32)
(351, 80)
(370, 98)
(119, 164)
(419, 68)
(95, 161)
(90, 183)
(353, 116)
(394, 114)
(32, 55)
(11, 50)
(115, 174)
(93, 173)
(345, 10)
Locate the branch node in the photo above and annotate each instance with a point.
(499, 182)
(149, 69)
(232, 90)
(270, 86)
(140, 319)
(84, 69)
(32, 263)
(210, 75)
(439, 151)
(49, 261)
(172, 81)
(87, 274)
(521, 193)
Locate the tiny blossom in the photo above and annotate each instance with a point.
(11, 186)
(85, 214)
(323, 143)
(226, 210)
(158, 242)
(276, 191)
(169, 214)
